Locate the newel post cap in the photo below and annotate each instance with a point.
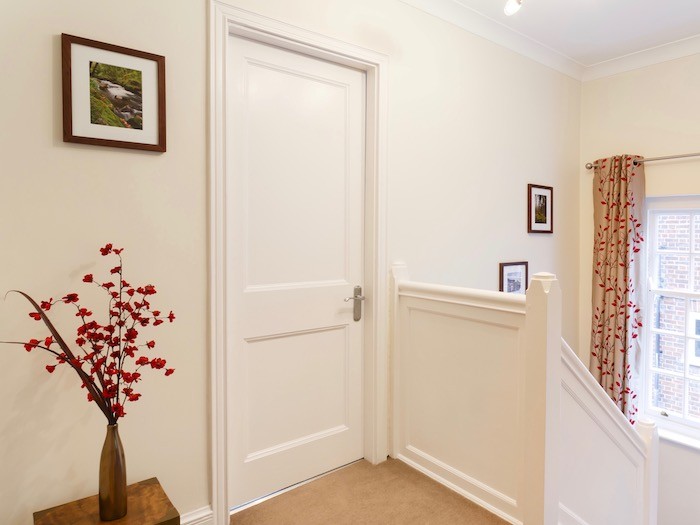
(544, 276)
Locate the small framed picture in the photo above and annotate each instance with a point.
(540, 208)
(112, 95)
(512, 277)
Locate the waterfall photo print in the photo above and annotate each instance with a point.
(112, 95)
(115, 96)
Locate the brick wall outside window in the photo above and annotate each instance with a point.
(674, 266)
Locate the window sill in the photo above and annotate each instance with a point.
(679, 439)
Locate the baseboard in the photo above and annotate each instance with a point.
(203, 516)
(459, 490)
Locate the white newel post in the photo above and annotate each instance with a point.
(649, 433)
(399, 273)
(541, 400)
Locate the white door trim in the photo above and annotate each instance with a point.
(226, 20)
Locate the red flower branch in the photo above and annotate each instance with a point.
(110, 357)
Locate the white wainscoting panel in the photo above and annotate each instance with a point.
(491, 402)
(602, 461)
(458, 392)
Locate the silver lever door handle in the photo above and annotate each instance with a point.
(357, 307)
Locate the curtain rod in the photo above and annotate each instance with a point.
(590, 165)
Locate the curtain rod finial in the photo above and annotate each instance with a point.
(589, 166)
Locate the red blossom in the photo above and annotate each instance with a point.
(118, 410)
(71, 298)
(157, 363)
(130, 335)
(31, 345)
(107, 352)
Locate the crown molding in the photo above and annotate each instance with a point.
(640, 59)
(456, 13)
(462, 16)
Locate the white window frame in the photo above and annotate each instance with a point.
(677, 425)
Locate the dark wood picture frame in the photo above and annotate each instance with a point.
(151, 137)
(537, 197)
(503, 282)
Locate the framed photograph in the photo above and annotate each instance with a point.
(112, 95)
(512, 277)
(540, 208)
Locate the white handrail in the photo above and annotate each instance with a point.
(573, 363)
(461, 295)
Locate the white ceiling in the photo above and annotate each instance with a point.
(583, 38)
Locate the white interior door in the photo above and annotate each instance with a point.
(295, 194)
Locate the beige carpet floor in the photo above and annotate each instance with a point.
(391, 493)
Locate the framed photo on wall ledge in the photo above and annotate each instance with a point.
(513, 277)
(112, 95)
(540, 209)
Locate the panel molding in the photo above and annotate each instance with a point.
(282, 335)
(275, 449)
(568, 517)
(225, 19)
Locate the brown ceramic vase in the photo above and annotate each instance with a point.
(112, 477)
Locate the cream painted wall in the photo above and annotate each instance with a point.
(470, 125)
(652, 112)
(58, 203)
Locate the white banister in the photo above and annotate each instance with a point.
(490, 401)
(541, 370)
(650, 434)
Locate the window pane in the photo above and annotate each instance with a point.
(674, 270)
(696, 273)
(668, 352)
(673, 232)
(694, 398)
(667, 393)
(669, 314)
(696, 233)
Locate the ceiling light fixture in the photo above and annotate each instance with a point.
(512, 7)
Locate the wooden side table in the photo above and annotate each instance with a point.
(147, 504)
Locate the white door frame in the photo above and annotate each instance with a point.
(224, 21)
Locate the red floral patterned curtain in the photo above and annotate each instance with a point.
(618, 202)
